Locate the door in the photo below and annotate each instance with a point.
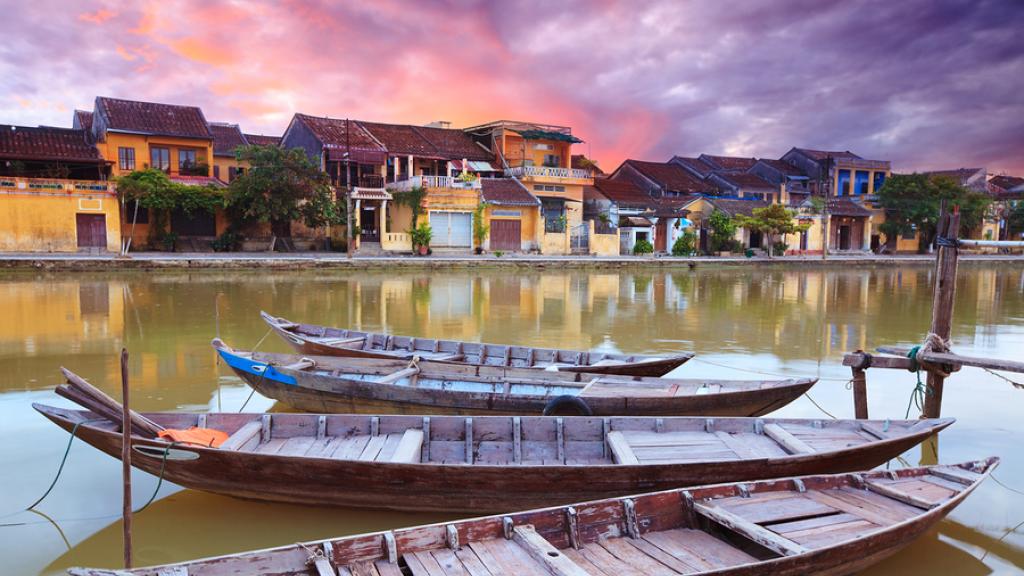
(92, 230)
(844, 237)
(198, 223)
(756, 240)
(661, 236)
(368, 224)
(506, 235)
(451, 229)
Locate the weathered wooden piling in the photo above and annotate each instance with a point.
(942, 304)
(126, 461)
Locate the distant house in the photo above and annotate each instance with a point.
(1004, 186)
(227, 138)
(660, 179)
(53, 193)
(622, 206)
(728, 163)
(781, 173)
(971, 178)
(695, 166)
(745, 185)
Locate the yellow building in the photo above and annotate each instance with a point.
(133, 135)
(53, 193)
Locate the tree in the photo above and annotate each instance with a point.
(1015, 220)
(480, 228)
(774, 220)
(151, 189)
(723, 231)
(686, 244)
(911, 202)
(281, 186)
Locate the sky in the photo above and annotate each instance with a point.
(926, 84)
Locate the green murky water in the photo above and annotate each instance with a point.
(742, 322)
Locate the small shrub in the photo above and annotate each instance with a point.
(779, 248)
(229, 241)
(498, 253)
(421, 235)
(643, 247)
(169, 240)
(685, 245)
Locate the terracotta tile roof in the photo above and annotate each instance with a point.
(455, 144)
(337, 133)
(674, 206)
(746, 180)
(736, 206)
(1006, 183)
(822, 154)
(578, 163)
(728, 162)
(402, 140)
(49, 144)
(671, 177)
(506, 192)
(196, 180)
(152, 118)
(839, 206)
(963, 176)
(635, 222)
(226, 137)
(783, 167)
(83, 120)
(624, 193)
(697, 165)
(261, 140)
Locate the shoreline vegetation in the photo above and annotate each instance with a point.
(314, 260)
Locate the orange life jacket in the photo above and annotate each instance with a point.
(198, 436)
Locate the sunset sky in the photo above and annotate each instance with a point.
(926, 84)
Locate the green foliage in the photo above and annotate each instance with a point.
(421, 235)
(643, 247)
(169, 240)
(817, 205)
(773, 220)
(282, 186)
(413, 198)
(480, 228)
(912, 201)
(498, 253)
(152, 189)
(229, 241)
(685, 245)
(779, 247)
(723, 228)
(466, 177)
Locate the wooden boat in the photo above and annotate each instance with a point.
(491, 464)
(361, 385)
(818, 525)
(326, 341)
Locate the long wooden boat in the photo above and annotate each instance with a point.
(491, 464)
(327, 341)
(361, 385)
(818, 525)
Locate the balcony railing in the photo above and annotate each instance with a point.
(20, 184)
(547, 172)
(434, 182)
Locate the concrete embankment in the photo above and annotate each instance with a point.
(156, 261)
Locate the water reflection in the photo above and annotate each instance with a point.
(741, 322)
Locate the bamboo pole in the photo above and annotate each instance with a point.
(126, 461)
(942, 304)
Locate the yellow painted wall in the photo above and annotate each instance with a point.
(604, 244)
(224, 164)
(556, 243)
(517, 150)
(142, 143)
(44, 221)
(573, 192)
(528, 217)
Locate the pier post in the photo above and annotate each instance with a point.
(942, 304)
(126, 461)
(860, 394)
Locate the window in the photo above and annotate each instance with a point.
(543, 147)
(186, 159)
(126, 158)
(879, 181)
(844, 183)
(548, 188)
(160, 158)
(552, 160)
(216, 171)
(860, 182)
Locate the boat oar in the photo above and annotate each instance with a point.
(147, 426)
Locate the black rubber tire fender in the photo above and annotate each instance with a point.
(566, 405)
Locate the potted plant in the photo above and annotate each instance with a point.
(480, 228)
(421, 236)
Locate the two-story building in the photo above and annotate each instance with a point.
(54, 192)
(176, 139)
(661, 179)
(843, 174)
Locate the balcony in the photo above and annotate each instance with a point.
(549, 172)
(434, 182)
(18, 184)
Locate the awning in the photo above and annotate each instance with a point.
(635, 222)
(358, 155)
(474, 166)
(547, 135)
(370, 194)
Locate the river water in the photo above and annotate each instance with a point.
(743, 323)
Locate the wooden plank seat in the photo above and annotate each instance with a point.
(341, 341)
(642, 447)
(240, 439)
(925, 492)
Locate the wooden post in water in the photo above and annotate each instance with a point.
(126, 461)
(942, 303)
(860, 394)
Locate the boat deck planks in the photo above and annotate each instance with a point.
(810, 526)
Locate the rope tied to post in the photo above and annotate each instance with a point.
(932, 343)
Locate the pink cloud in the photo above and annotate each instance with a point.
(98, 17)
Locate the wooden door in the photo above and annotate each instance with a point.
(661, 236)
(92, 230)
(506, 235)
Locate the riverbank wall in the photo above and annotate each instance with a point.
(313, 260)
